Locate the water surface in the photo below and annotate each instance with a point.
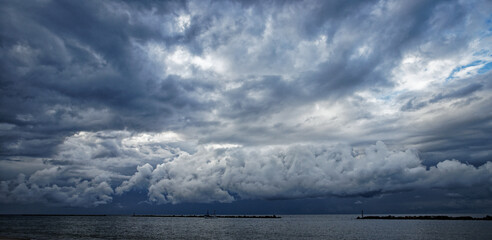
(287, 227)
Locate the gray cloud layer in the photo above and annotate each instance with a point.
(91, 91)
(224, 174)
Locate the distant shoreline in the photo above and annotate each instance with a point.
(390, 217)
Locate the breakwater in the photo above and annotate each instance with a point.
(211, 216)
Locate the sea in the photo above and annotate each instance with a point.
(287, 227)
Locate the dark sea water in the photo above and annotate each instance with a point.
(287, 227)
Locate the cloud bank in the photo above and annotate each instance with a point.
(208, 173)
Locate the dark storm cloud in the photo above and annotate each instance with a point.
(81, 57)
(463, 92)
(347, 70)
(71, 66)
(460, 129)
(207, 99)
(413, 104)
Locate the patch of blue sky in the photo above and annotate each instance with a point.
(489, 25)
(460, 68)
(487, 67)
(487, 28)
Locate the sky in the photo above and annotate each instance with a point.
(245, 106)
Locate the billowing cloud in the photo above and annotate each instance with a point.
(299, 172)
(227, 173)
(39, 188)
(139, 180)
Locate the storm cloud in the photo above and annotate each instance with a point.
(209, 173)
(220, 101)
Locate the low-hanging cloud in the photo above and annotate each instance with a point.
(297, 172)
(75, 192)
(225, 173)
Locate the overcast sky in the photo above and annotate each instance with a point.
(295, 106)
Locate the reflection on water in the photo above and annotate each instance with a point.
(288, 227)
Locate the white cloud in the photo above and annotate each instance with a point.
(297, 172)
(82, 193)
(139, 179)
(180, 61)
(226, 172)
(183, 22)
